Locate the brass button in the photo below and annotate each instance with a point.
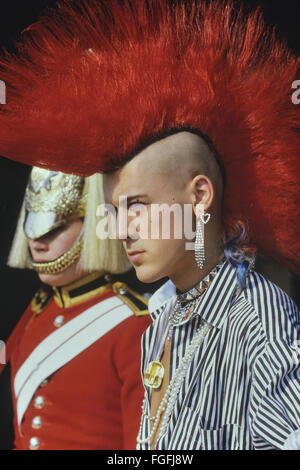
(108, 277)
(34, 443)
(59, 321)
(36, 423)
(120, 288)
(39, 402)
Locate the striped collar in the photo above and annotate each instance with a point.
(214, 302)
(162, 296)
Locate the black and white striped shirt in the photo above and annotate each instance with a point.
(242, 389)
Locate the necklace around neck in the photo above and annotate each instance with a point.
(186, 301)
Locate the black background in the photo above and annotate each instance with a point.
(18, 286)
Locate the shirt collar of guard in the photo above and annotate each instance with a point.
(83, 289)
(213, 303)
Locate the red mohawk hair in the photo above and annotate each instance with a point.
(96, 81)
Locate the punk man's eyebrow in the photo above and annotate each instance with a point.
(137, 196)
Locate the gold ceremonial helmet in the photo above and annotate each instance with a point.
(52, 199)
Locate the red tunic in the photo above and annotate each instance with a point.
(93, 401)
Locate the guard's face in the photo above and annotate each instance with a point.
(147, 183)
(53, 245)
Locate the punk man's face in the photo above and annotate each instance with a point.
(151, 180)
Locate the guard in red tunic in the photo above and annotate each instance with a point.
(75, 353)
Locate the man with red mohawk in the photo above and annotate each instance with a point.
(186, 103)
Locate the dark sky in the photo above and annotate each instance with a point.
(18, 286)
(16, 15)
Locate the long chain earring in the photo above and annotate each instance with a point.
(201, 219)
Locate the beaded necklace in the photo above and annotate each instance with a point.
(186, 301)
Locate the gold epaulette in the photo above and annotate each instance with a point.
(40, 300)
(136, 302)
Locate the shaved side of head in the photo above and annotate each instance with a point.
(188, 155)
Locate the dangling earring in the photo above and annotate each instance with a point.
(201, 220)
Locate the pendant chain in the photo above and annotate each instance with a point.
(185, 304)
(169, 399)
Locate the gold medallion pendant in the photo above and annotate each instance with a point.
(154, 374)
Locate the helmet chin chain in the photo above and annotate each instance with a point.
(62, 262)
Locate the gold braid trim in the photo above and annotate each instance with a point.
(62, 262)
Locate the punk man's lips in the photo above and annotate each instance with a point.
(131, 253)
(135, 255)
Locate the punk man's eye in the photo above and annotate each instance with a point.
(131, 204)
